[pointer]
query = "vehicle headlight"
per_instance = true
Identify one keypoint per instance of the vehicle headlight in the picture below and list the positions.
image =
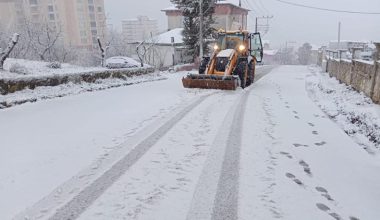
(216, 47)
(242, 47)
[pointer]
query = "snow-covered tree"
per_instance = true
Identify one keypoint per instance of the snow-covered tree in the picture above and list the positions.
(191, 13)
(4, 54)
(304, 54)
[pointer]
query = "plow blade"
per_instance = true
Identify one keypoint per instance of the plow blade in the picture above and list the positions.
(210, 82)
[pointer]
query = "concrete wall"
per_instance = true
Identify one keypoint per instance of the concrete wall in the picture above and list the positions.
(362, 76)
(376, 89)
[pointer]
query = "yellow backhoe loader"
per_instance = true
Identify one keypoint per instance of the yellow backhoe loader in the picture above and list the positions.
(232, 63)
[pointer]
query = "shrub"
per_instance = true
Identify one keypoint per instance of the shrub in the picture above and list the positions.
(18, 68)
(54, 65)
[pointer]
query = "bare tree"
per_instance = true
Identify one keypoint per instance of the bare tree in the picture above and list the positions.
(45, 41)
(38, 41)
(5, 54)
(146, 51)
(103, 51)
(118, 45)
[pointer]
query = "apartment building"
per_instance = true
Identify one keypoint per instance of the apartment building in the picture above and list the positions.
(139, 29)
(80, 21)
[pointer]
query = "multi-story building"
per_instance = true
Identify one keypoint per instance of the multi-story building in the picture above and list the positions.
(80, 21)
(228, 16)
(137, 30)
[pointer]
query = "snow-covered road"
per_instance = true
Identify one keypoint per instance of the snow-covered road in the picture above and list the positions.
(164, 152)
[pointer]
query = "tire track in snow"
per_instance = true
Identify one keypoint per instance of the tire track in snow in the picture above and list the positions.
(226, 201)
(76, 206)
(227, 196)
(216, 194)
(205, 194)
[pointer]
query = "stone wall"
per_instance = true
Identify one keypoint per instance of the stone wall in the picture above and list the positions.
(362, 76)
(376, 89)
(13, 85)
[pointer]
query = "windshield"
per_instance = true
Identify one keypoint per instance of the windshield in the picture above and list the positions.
(230, 41)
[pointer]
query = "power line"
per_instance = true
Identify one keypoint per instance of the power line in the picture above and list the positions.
(250, 6)
(257, 6)
(327, 9)
(263, 6)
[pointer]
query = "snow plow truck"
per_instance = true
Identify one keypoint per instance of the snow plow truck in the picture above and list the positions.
(232, 64)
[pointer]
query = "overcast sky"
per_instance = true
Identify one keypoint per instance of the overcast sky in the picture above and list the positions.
(289, 23)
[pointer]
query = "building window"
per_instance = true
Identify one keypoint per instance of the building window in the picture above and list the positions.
(91, 8)
(100, 9)
(50, 8)
(90, 1)
(93, 24)
(51, 17)
(33, 2)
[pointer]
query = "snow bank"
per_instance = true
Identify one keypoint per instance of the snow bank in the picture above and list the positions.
(39, 69)
(355, 113)
(37, 74)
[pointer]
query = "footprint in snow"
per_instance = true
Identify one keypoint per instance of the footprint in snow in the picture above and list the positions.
(324, 192)
(311, 124)
(306, 167)
(321, 143)
(300, 145)
(315, 132)
(286, 154)
(336, 216)
(321, 189)
(323, 207)
(291, 176)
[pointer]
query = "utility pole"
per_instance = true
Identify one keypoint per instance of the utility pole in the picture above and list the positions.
(201, 29)
(256, 25)
(267, 24)
(339, 27)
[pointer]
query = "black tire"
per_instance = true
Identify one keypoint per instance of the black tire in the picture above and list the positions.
(251, 74)
(240, 71)
(203, 65)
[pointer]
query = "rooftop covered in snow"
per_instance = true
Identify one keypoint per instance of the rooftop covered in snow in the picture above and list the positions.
(221, 2)
(166, 38)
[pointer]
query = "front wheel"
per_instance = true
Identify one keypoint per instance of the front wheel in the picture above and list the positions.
(203, 65)
(251, 73)
(240, 71)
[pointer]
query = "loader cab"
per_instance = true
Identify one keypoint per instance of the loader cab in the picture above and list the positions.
(256, 47)
(229, 41)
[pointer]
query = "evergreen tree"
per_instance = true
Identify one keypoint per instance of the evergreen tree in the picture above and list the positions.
(304, 54)
(191, 14)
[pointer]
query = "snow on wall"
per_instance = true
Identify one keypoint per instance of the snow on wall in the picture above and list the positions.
(44, 76)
